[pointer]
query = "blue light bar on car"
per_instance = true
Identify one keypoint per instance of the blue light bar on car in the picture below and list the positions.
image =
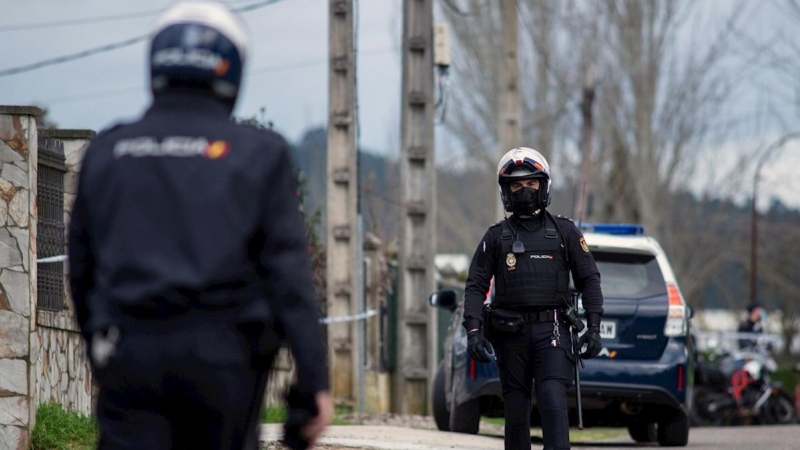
(620, 229)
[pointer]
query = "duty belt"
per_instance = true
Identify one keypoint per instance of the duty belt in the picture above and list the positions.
(545, 316)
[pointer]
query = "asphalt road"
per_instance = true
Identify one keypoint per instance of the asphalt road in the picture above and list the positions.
(396, 438)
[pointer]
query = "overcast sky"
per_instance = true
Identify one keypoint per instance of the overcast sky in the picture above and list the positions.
(286, 72)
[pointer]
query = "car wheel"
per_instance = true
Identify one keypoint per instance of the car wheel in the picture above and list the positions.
(673, 431)
(643, 432)
(439, 400)
(466, 417)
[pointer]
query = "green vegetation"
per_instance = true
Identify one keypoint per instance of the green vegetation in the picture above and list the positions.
(277, 414)
(788, 377)
(57, 429)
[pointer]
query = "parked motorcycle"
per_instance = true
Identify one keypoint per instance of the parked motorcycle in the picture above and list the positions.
(736, 388)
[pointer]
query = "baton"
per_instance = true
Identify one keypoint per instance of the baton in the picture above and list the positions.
(577, 382)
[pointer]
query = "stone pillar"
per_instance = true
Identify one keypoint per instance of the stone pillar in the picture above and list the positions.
(378, 388)
(58, 355)
(18, 178)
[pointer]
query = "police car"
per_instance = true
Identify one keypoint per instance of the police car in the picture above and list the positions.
(641, 378)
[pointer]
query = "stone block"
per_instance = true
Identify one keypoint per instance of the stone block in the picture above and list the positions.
(22, 236)
(10, 127)
(14, 335)
(7, 190)
(18, 208)
(14, 377)
(17, 288)
(15, 175)
(3, 213)
(8, 154)
(14, 410)
(13, 438)
(10, 254)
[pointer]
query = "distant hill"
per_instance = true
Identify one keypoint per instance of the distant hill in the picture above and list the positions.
(466, 209)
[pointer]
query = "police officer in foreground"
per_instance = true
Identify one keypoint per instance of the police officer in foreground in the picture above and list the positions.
(530, 255)
(188, 260)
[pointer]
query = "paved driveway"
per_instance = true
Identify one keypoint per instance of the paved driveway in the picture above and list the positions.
(396, 438)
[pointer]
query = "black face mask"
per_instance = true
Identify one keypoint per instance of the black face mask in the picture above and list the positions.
(525, 201)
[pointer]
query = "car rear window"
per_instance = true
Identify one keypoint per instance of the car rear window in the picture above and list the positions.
(629, 275)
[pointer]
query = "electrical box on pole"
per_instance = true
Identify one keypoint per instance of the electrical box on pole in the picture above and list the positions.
(441, 45)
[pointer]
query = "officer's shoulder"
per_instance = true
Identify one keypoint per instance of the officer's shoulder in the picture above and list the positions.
(563, 218)
(262, 137)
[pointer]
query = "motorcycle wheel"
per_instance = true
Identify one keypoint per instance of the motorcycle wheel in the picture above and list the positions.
(698, 415)
(779, 410)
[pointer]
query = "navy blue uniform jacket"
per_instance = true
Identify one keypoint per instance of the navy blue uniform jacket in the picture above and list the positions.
(187, 216)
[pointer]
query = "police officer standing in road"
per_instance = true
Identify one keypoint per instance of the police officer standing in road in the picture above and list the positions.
(530, 255)
(188, 260)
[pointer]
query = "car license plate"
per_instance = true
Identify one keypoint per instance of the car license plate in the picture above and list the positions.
(608, 330)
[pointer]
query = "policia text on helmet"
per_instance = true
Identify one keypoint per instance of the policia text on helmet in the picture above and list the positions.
(530, 255)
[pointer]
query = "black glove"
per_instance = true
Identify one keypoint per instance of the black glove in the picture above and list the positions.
(591, 338)
(478, 347)
(302, 408)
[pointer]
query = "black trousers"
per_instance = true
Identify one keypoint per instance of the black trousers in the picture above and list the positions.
(528, 360)
(195, 387)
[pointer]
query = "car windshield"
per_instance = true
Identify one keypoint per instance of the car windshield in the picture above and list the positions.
(629, 275)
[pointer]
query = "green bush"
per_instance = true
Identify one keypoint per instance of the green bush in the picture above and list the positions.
(57, 429)
(788, 377)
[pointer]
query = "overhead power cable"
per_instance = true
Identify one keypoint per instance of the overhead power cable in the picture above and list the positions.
(81, 21)
(85, 20)
(109, 47)
(115, 92)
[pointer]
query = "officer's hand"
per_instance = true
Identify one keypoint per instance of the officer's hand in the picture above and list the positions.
(314, 428)
(478, 347)
(591, 339)
(308, 415)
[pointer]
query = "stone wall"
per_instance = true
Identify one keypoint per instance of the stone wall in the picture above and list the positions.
(18, 177)
(58, 353)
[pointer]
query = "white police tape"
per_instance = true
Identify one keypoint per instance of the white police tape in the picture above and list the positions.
(362, 316)
(325, 320)
(52, 259)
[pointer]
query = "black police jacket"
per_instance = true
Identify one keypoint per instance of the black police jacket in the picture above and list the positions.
(186, 216)
(537, 276)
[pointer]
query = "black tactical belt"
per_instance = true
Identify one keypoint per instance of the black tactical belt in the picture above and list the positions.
(540, 316)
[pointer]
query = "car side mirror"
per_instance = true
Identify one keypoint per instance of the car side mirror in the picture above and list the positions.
(689, 312)
(446, 298)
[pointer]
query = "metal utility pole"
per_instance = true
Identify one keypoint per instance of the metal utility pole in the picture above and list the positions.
(581, 205)
(416, 319)
(508, 108)
(342, 271)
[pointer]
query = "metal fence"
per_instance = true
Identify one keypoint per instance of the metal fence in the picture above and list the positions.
(50, 239)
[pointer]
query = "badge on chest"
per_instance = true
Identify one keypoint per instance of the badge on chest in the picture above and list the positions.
(511, 261)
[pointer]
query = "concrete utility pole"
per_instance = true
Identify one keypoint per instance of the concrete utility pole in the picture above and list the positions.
(417, 325)
(581, 205)
(508, 108)
(342, 271)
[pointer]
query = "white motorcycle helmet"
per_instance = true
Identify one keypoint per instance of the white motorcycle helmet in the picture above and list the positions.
(523, 163)
(200, 46)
